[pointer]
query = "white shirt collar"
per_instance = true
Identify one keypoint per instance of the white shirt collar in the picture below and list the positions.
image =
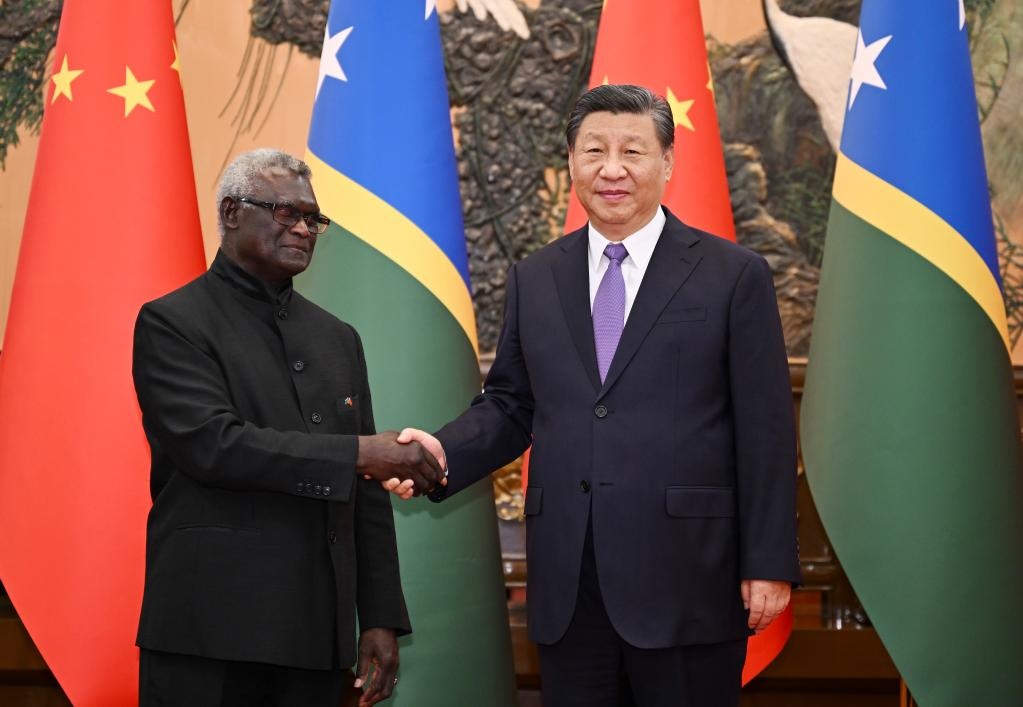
(639, 244)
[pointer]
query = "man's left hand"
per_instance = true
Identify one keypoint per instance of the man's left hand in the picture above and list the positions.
(765, 599)
(378, 647)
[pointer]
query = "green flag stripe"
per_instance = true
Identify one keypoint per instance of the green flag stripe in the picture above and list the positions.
(913, 457)
(423, 372)
(918, 228)
(365, 215)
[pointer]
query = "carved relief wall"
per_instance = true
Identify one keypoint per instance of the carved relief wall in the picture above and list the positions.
(514, 69)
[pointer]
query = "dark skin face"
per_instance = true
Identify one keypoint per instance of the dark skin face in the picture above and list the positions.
(252, 239)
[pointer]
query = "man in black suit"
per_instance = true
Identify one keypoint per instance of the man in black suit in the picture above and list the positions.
(266, 538)
(644, 362)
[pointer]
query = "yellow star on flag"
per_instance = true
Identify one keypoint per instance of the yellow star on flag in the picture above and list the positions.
(133, 92)
(710, 80)
(177, 64)
(605, 81)
(62, 80)
(680, 110)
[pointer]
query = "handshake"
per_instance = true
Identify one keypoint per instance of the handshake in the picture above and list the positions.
(408, 464)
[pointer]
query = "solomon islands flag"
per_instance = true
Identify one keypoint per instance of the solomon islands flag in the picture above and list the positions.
(393, 264)
(909, 424)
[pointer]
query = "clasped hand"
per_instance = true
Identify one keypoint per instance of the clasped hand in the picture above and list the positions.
(406, 488)
(399, 463)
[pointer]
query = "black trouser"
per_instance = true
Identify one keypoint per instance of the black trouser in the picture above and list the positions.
(173, 680)
(591, 666)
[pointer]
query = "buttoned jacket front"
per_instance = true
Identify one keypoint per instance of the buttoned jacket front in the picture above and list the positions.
(683, 458)
(263, 543)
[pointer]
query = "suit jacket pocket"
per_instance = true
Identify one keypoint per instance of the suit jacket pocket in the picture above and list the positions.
(687, 314)
(534, 500)
(700, 501)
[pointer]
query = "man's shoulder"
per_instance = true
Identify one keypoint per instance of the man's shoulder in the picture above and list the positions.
(551, 252)
(178, 311)
(318, 316)
(182, 299)
(730, 258)
(733, 254)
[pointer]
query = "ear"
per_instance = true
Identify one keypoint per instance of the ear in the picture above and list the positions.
(229, 213)
(571, 158)
(669, 163)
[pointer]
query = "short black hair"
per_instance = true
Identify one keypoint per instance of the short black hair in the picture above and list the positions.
(623, 98)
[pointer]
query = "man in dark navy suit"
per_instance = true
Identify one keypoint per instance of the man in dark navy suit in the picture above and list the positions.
(644, 361)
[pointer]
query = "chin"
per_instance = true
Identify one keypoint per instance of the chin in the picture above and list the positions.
(614, 218)
(294, 266)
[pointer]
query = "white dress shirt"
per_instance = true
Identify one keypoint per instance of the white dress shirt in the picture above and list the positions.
(640, 246)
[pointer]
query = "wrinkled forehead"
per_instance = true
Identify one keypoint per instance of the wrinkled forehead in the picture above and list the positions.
(604, 125)
(282, 185)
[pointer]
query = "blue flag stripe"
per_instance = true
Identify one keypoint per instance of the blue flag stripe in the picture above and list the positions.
(920, 133)
(388, 126)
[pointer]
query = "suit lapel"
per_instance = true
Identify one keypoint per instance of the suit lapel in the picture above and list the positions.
(572, 278)
(671, 264)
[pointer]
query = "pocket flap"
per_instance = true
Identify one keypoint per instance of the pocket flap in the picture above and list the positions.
(700, 501)
(534, 499)
(688, 314)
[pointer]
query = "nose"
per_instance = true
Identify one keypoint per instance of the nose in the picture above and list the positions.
(612, 168)
(301, 229)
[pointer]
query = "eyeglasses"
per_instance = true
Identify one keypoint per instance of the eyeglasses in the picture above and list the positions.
(289, 214)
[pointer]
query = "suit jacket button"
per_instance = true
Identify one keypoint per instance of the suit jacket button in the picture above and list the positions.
(316, 417)
(585, 486)
(298, 365)
(600, 411)
(282, 313)
(332, 537)
(317, 489)
(300, 488)
(326, 490)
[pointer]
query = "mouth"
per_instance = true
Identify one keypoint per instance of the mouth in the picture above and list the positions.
(612, 194)
(300, 249)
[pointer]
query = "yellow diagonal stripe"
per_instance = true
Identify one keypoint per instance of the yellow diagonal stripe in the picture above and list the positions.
(921, 230)
(362, 213)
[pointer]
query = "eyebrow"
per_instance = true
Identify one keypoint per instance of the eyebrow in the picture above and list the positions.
(593, 134)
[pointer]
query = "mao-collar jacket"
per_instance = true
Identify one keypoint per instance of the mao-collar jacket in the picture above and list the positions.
(263, 543)
(683, 459)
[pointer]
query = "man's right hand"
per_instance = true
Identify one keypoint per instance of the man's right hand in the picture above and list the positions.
(405, 489)
(382, 457)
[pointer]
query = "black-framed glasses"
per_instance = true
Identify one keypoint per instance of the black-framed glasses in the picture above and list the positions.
(288, 214)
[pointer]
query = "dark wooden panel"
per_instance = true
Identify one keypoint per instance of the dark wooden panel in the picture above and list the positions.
(25, 681)
(810, 692)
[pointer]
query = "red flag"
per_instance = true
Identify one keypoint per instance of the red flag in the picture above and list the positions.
(111, 223)
(660, 44)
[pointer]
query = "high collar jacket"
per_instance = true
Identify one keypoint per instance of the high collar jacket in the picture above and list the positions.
(263, 544)
(683, 458)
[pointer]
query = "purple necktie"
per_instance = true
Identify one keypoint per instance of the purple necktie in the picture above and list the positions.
(609, 308)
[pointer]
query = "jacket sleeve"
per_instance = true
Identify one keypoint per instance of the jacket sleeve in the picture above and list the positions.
(380, 600)
(188, 415)
(765, 438)
(497, 427)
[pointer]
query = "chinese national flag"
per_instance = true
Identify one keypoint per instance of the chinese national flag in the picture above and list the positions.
(660, 44)
(111, 223)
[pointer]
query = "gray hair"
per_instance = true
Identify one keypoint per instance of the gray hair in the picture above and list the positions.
(623, 98)
(239, 179)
